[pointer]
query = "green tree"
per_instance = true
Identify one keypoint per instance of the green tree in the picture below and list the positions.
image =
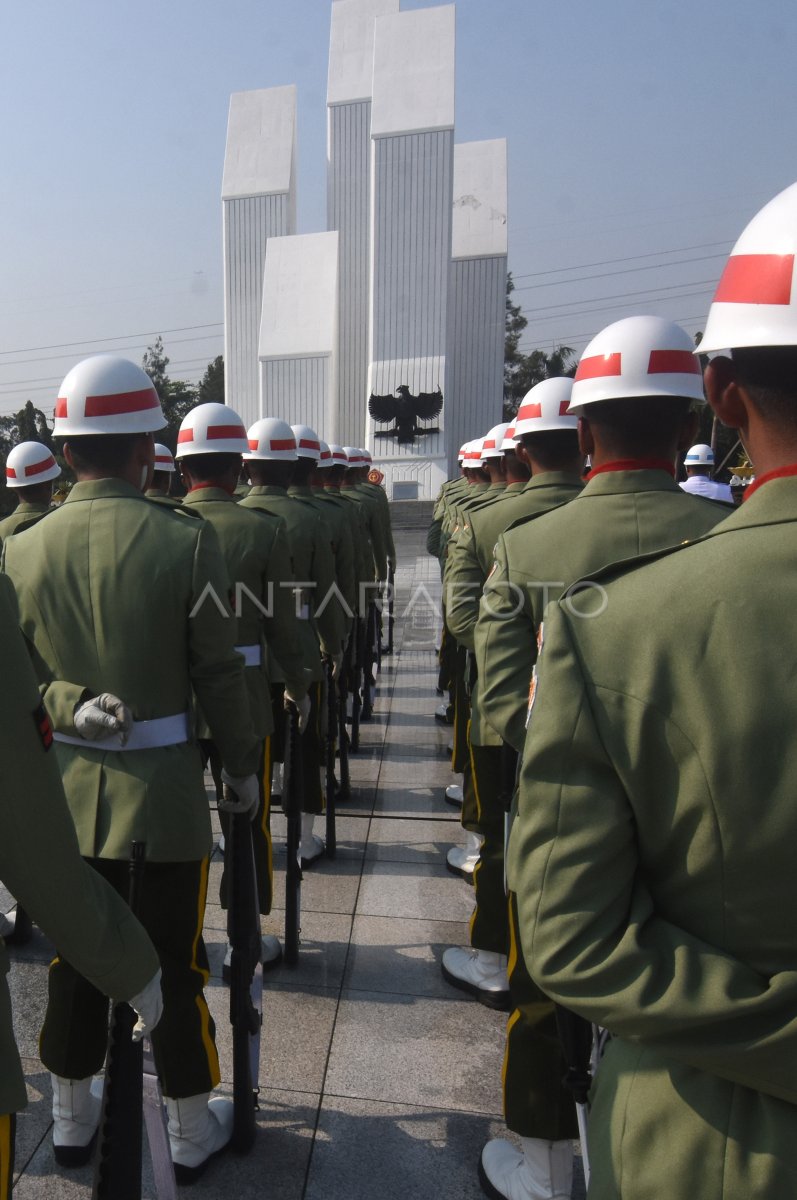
(523, 371)
(176, 396)
(211, 385)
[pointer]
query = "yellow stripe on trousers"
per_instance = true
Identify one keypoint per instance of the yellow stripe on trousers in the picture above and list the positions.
(516, 1015)
(201, 1003)
(6, 1154)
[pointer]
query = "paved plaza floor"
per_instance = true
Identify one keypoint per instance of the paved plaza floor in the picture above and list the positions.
(379, 1080)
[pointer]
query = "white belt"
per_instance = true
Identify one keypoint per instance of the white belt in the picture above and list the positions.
(145, 735)
(304, 612)
(252, 655)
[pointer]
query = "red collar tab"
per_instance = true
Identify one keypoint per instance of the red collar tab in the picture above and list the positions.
(778, 473)
(634, 464)
(199, 487)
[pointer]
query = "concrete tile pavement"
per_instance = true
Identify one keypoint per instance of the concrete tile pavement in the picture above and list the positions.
(378, 1079)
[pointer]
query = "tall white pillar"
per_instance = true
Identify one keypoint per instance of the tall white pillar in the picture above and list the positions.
(412, 130)
(477, 293)
(259, 202)
(299, 331)
(351, 69)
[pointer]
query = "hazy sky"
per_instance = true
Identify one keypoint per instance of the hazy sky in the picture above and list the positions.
(642, 137)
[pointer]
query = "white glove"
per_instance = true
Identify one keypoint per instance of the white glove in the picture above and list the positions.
(337, 663)
(148, 1004)
(102, 717)
(247, 794)
(302, 706)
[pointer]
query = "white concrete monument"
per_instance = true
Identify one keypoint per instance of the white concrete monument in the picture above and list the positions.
(412, 130)
(299, 332)
(259, 202)
(477, 293)
(351, 70)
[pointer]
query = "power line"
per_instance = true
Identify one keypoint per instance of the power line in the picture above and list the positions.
(117, 338)
(711, 283)
(626, 271)
(18, 362)
(610, 262)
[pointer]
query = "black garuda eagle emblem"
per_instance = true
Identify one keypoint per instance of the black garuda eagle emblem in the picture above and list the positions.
(406, 410)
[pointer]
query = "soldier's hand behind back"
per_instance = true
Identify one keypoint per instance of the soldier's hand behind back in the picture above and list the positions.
(103, 716)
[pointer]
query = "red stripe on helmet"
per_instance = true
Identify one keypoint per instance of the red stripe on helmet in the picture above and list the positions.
(756, 279)
(529, 411)
(599, 366)
(121, 403)
(673, 362)
(217, 433)
(564, 408)
(10, 473)
(37, 468)
(185, 435)
(278, 444)
(489, 444)
(307, 444)
(163, 458)
(60, 406)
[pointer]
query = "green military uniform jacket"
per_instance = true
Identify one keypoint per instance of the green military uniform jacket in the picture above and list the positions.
(618, 515)
(369, 507)
(40, 861)
(470, 558)
(342, 543)
(162, 498)
(313, 570)
(117, 594)
(434, 536)
(383, 507)
(653, 857)
(255, 550)
(23, 516)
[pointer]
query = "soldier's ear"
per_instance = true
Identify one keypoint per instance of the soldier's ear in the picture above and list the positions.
(586, 442)
(724, 393)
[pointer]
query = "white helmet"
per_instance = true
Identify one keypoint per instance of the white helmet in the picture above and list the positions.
(544, 408)
(211, 429)
(164, 459)
(325, 458)
(307, 442)
(699, 456)
(509, 439)
(636, 358)
(355, 457)
(271, 440)
(30, 463)
(473, 454)
(756, 299)
(367, 457)
(107, 394)
(492, 443)
(462, 452)
(339, 456)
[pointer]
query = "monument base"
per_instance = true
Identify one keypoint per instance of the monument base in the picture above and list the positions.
(412, 478)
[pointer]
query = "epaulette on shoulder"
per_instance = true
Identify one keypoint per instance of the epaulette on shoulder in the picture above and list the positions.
(187, 510)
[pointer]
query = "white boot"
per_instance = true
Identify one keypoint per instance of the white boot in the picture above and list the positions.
(311, 847)
(461, 860)
(276, 779)
(270, 955)
(199, 1128)
(454, 795)
(541, 1171)
(482, 973)
(76, 1117)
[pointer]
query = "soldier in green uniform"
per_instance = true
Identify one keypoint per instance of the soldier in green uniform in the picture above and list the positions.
(653, 853)
(553, 450)
(551, 446)
(210, 444)
(40, 861)
(343, 543)
(30, 471)
(161, 482)
(270, 464)
(125, 606)
(635, 390)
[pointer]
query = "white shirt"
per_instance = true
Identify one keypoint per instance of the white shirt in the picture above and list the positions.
(699, 485)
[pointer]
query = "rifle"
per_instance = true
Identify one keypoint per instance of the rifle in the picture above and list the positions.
(332, 725)
(354, 683)
(246, 979)
(117, 1167)
(344, 790)
(391, 600)
(576, 1036)
(292, 789)
(368, 661)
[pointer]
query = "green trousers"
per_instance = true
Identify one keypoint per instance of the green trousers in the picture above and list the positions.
(489, 925)
(459, 756)
(536, 1104)
(172, 910)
